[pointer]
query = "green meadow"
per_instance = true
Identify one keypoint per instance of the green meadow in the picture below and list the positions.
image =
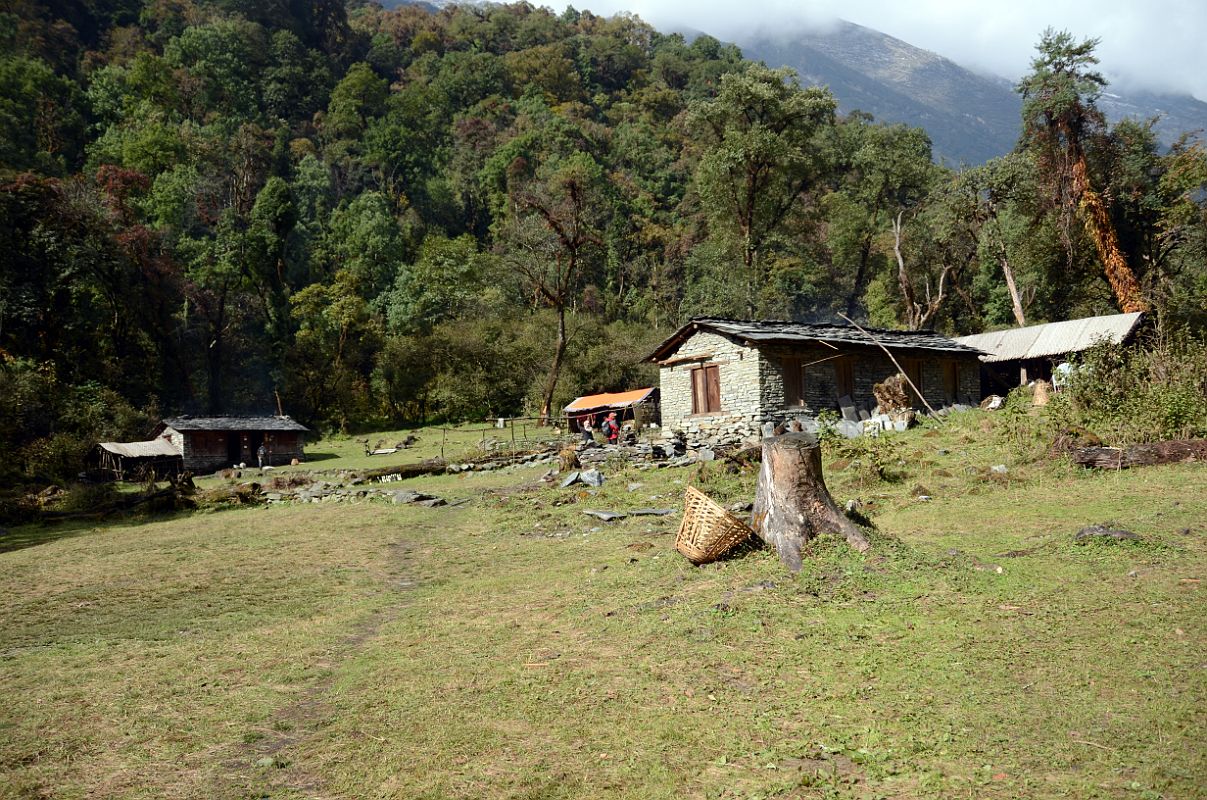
(512, 647)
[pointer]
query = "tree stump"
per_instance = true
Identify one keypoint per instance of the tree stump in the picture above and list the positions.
(792, 504)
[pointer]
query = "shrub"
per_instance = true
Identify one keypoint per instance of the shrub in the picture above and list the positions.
(1153, 390)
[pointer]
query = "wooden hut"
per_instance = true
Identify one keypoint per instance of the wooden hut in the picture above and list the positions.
(212, 443)
(132, 461)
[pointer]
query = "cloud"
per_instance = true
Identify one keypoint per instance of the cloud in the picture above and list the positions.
(1156, 45)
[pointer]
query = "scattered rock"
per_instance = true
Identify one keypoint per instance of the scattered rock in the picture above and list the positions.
(432, 502)
(849, 429)
(993, 402)
(704, 454)
(606, 516)
(651, 512)
(570, 479)
(1000, 469)
(632, 487)
(742, 506)
(1104, 532)
(591, 477)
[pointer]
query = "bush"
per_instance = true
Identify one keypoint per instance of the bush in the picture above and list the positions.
(1153, 390)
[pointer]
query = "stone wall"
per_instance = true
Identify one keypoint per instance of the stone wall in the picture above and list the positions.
(970, 382)
(753, 387)
(739, 371)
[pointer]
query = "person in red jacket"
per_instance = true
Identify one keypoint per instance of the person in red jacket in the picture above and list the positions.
(611, 428)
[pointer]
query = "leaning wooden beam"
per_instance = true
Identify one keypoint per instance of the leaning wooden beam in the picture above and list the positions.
(890, 355)
(791, 502)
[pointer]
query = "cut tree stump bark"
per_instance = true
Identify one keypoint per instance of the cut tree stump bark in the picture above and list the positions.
(792, 504)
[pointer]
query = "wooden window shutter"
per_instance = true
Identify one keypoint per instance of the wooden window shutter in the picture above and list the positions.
(699, 394)
(706, 390)
(713, 380)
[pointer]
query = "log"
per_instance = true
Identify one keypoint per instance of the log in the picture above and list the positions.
(792, 504)
(1142, 455)
(432, 466)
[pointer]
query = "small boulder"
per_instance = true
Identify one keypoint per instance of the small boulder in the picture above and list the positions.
(591, 477)
(1104, 533)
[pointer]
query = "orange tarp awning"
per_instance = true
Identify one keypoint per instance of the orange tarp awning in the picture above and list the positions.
(612, 400)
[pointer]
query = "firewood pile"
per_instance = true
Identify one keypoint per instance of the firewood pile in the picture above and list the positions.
(892, 395)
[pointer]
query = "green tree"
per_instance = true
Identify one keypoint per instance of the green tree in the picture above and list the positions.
(1060, 120)
(553, 236)
(760, 155)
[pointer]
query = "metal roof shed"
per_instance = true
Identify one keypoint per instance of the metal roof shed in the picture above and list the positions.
(587, 406)
(1029, 352)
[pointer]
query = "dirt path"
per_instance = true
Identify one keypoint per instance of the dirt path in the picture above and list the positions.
(267, 763)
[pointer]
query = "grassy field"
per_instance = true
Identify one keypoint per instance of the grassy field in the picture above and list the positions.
(512, 647)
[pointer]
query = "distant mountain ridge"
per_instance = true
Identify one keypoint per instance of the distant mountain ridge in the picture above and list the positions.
(970, 117)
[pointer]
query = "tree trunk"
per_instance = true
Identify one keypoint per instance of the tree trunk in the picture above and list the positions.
(861, 270)
(555, 368)
(1098, 222)
(792, 504)
(1016, 300)
(1142, 455)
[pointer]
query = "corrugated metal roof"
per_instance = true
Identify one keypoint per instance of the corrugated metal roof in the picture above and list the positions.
(234, 424)
(766, 331)
(156, 448)
(1053, 338)
(610, 400)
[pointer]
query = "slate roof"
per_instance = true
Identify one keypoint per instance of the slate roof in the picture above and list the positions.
(756, 332)
(234, 424)
(1053, 338)
(156, 448)
(610, 400)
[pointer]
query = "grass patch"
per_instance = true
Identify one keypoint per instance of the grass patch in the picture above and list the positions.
(514, 647)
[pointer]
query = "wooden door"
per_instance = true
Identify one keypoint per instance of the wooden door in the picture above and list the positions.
(794, 383)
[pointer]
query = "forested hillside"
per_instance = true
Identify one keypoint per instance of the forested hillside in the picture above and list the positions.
(373, 216)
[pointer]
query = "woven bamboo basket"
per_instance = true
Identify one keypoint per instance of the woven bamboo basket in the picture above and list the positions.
(708, 531)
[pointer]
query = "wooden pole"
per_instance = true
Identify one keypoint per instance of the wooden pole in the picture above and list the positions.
(890, 356)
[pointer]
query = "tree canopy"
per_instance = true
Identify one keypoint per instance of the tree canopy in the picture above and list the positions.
(389, 216)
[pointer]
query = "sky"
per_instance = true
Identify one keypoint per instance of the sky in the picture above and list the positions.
(1155, 45)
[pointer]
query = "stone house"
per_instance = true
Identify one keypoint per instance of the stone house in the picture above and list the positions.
(212, 443)
(723, 379)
